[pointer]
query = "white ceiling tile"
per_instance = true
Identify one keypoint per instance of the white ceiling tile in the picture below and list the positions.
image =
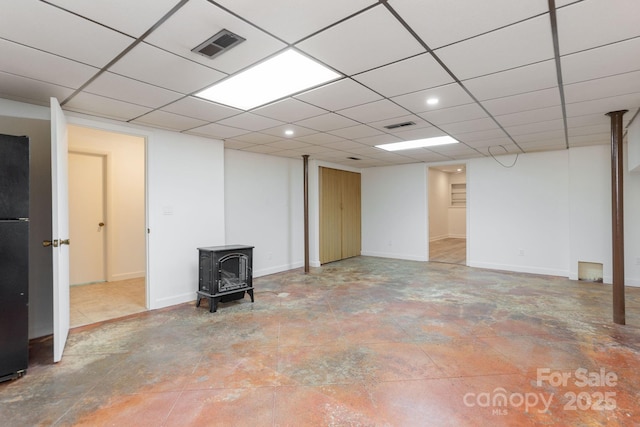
(264, 149)
(251, 122)
(601, 62)
(410, 75)
(257, 138)
(484, 144)
(165, 120)
(106, 107)
(500, 150)
(289, 110)
(523, 102)
(588, 24)
(214, 130)
(48, 28)
(292, 22)
(374, 111)
(298, 131)
(288, 144)
(201, 109)
(442, 22)
(454, 114)
(519, 80)
(525, 43)
(429, 132)
(132, 91)
(449, 96)
(379, 139)
(604, 105)
(43, 66)
(327, 122)
(605, 87)
(320, 138)
(336, 46)
(425, 155)
(555, 136)
(165, 69)
(590, 120)
(469, 126)
(236, 145)
(354, 132)
(29, 90)
(339, 95)
(530, 116)
(343, 145)
(548, 125)
(199, 20)
(139, 17)
(598, 129)
(471, 138)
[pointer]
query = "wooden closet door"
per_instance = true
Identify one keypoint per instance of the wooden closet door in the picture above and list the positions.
(351, 235)
(330, 215)
(340, 235)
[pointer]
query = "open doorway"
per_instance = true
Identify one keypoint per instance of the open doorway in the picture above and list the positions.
(107, 266)
(447, 214)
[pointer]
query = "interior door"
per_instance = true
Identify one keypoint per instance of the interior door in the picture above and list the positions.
(59, 228)
(86, 218)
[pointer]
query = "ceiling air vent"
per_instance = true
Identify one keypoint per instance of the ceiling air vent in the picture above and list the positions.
(400, 125)
(221, 42)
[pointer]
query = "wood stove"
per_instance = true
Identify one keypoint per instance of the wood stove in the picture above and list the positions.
(225, 274)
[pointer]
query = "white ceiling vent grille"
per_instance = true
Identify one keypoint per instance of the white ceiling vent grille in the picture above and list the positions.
(218, 44)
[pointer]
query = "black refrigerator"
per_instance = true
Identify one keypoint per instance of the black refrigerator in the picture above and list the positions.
(14, 256)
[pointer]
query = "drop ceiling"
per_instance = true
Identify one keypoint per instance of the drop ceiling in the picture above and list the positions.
(511, 76)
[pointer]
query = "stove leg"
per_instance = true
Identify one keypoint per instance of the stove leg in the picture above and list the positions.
(213, 305)
(250, 292)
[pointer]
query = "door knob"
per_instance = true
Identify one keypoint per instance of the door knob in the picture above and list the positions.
(65, 242)
(47, 243)
(101, 224)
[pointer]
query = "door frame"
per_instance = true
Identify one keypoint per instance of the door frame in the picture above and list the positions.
(106, 155)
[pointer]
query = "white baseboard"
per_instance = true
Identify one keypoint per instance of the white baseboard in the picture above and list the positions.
(277, 269)
(173, 300)
(395, 256)
(126, 276)
(519, 269)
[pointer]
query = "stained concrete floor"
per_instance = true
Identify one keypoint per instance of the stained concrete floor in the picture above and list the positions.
(360, 342)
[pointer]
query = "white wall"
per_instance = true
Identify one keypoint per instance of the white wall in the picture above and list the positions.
(125, 176)
(185, 187)
(264, 207)
(394, 212)
(438, 204)
(631, 227)
(590, 204)
(519, 216)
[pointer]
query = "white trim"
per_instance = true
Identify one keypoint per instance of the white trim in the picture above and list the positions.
(395, 256)
(519, 269)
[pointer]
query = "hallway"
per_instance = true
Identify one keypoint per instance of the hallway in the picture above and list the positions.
(363, 341)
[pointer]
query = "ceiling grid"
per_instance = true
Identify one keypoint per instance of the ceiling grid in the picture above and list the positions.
(510, 76)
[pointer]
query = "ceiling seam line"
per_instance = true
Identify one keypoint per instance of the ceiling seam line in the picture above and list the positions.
(125, 51)
(455, 78)
(556, 52)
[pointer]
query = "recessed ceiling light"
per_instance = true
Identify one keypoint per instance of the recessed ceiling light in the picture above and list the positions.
(418, 143)
(432, 101)
(288, 132)
(286, 73)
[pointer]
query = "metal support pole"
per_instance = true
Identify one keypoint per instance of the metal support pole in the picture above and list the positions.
(305, 161)
(617, 215)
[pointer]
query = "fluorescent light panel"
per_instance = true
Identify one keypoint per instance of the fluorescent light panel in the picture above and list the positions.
(418, 143)
(286, 73)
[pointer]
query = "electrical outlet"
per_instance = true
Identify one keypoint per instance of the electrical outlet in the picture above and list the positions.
(521, 252)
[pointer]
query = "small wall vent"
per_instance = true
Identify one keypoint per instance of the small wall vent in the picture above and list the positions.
(400, 125)
(218, 44)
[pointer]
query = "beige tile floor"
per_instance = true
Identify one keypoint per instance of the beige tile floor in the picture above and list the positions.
(104, 301)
